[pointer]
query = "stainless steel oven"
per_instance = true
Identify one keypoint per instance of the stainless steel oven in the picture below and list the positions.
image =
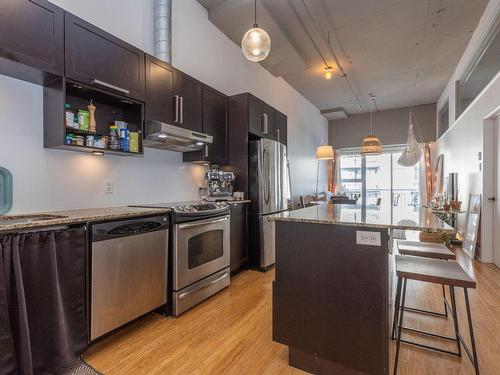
(201, 253)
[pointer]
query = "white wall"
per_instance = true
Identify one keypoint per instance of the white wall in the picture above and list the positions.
(463, 141)
(50, 179)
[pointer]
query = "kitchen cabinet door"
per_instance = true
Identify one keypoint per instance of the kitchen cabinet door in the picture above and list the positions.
(98, 58)
(254, 115)
(268, 122)
(31, 33)
(215, 124)
(190, 106)
(159, 90)
(281, 128)
(239, 236)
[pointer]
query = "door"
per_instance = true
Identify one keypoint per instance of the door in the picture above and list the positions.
(32, 33)
(159, 90)
(97, 58)
(496, 190)
(239, 236)
(268, 122)
(281, 128)
(254, 115)
(269, 177)
(189, 91)
(215, 124)
(201, 248)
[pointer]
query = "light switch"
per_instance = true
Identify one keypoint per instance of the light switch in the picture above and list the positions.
(108, 186)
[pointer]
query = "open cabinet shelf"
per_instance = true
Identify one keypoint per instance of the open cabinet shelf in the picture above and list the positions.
(110, 107)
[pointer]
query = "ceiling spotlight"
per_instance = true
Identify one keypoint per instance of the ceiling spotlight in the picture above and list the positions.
(328, 72)
(199, 143)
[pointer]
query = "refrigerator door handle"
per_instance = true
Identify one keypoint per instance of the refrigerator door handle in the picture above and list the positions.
(266, 175)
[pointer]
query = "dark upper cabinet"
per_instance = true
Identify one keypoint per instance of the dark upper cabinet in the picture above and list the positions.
(268, 122)
(281, 128)
(254, 115)
(98, 58)
(215, 123)
(31, 33)
(160, 104)
(239, 236)
(188, 99)
(261, 118)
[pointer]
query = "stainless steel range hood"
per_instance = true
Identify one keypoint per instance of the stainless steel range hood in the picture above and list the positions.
(174, 138)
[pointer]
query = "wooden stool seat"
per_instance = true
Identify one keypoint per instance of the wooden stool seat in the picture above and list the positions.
(436, 271)
(425, 250)
(433, 271)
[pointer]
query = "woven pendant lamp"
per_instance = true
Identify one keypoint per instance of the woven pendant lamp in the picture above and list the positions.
(371, 145)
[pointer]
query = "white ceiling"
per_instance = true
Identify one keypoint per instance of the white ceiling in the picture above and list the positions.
(402, 51)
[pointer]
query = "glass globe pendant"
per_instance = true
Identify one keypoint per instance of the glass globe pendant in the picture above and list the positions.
(256, 43)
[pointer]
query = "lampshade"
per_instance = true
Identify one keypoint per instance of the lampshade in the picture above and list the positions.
(371, 146)
(256, 44)
(324, 152)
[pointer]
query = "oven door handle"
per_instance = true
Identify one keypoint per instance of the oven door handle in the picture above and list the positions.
(184, 295)
(204, 222)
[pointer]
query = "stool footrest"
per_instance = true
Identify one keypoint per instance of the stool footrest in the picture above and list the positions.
(428, 333)
(456, 354)
(428, 312)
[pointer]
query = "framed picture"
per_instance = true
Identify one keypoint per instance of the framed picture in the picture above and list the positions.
(472, 224)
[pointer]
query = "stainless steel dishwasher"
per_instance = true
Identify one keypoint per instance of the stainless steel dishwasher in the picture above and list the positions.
(129, 264)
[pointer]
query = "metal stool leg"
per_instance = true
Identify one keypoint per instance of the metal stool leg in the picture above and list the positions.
(471, 331)
(400, 327)
(455, 319)
(396, 309)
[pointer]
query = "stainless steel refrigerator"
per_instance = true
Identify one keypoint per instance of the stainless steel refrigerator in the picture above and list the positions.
(269, 192)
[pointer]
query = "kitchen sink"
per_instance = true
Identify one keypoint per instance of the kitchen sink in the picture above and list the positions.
(26, 219)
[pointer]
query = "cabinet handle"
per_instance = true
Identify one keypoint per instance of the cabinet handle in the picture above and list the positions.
(176, 108)
(278, 134)
(181, 110)
(109, 86)
(265, 123)
(206, 151)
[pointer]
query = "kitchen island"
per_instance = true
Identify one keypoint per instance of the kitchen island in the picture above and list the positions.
(331, 292)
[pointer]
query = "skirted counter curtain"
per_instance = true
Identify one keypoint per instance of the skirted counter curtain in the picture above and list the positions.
(43, 328)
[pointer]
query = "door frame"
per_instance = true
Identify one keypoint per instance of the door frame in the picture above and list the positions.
(487, 209)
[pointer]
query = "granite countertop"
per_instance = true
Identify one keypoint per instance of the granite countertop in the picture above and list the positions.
(79, 216)
(409, 218)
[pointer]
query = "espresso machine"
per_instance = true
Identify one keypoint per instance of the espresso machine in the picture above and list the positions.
(219, 185)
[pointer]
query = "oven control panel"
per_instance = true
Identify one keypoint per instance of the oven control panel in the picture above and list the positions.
(201, 208)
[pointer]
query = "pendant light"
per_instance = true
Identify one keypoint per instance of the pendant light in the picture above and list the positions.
(371, 145)
(256, 43)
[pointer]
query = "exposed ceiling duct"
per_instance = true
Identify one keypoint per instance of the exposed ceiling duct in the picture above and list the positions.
(163, 30)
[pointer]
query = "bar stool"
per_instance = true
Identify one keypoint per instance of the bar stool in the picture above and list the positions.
(435, 271)
(424, 250)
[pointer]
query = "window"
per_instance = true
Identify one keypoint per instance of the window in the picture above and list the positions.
(481, 72)
(380, 179)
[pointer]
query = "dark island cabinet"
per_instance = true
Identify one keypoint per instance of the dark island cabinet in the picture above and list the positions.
(281, 128)
(32, 34)
(100, 59)
(215, 123)
(160, 103)
(239, 236)
(188, 99)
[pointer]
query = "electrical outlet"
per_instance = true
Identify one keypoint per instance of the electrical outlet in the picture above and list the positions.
(368, 238)
(108, 186)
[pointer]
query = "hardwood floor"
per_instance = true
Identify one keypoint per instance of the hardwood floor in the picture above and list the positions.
(231, 333)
